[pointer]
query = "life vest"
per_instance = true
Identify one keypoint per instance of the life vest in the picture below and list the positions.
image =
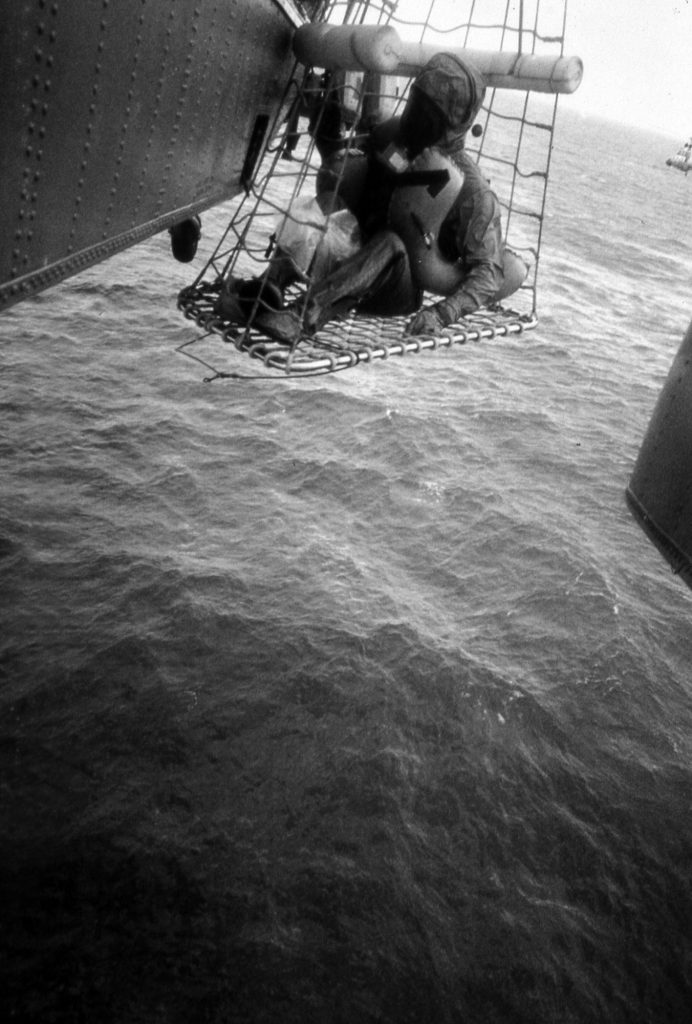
(418, 206)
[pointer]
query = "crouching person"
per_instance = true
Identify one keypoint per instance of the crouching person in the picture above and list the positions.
(427, 220)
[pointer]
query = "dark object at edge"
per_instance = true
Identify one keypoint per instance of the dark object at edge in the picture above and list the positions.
(659, 494)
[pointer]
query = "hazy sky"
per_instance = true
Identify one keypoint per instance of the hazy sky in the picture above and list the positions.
(637, 54)
(637, 61)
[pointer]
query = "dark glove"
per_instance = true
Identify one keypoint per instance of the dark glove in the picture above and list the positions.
(426, 321)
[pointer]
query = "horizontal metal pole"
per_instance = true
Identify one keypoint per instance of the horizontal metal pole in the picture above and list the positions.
(379, 48)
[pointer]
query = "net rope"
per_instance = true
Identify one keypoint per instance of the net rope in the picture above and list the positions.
(513, 151)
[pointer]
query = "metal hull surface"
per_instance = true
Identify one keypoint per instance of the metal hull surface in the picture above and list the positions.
(121, 118)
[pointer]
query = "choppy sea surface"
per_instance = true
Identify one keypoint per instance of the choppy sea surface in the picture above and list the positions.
(359, 698)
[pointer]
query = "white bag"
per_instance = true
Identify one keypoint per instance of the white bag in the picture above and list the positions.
(317, 243)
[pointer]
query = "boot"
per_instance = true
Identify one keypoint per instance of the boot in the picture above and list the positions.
(239, 298)
(184, 238)
(376, 279)
(282, 325)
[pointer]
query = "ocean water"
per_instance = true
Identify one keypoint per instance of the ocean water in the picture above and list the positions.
(359, 698)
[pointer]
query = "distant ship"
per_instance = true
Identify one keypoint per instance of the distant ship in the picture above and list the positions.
(683, 158)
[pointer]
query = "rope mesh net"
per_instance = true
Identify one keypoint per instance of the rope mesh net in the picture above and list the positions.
(513, 151)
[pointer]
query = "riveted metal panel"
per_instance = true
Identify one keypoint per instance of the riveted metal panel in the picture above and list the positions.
(121, 116)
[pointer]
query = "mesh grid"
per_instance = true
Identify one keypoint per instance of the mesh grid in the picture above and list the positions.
(513, 151)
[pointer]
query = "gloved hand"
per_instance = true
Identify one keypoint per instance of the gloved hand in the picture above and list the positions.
(426, 321)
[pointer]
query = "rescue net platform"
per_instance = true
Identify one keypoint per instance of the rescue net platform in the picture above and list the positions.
(348, 342)
(513, 148)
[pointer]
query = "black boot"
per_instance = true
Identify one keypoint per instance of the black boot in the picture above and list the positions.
(282, 325)
(184, 238)
(239, 298)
